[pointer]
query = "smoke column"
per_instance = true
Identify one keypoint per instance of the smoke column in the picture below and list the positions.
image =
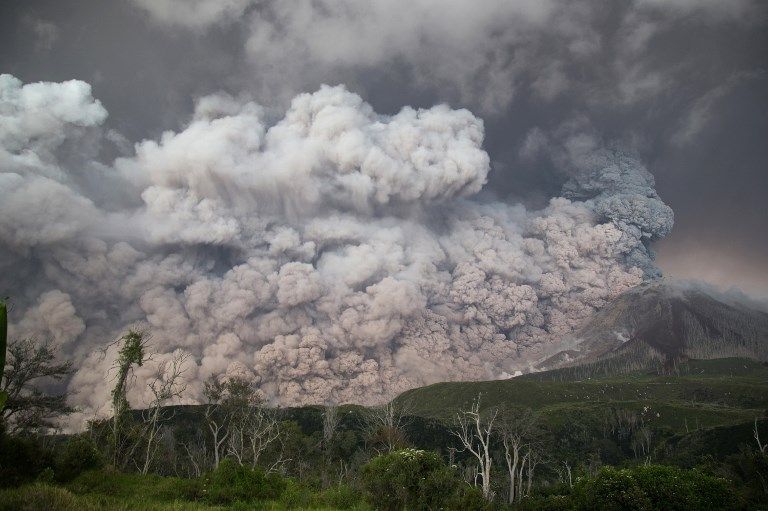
(335, 255)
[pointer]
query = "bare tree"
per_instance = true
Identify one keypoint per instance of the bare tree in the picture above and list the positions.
(197, 455)
(521, 476)
(760, 445)
(330, 423)
(533, 457)
(475, 431)
(641, 441)
(263, 430)
(214, 418)
(386, 425)
(239, 425)
(167, 384)
(238, 404)
(28, 408)
(514, 427)
(568, 473)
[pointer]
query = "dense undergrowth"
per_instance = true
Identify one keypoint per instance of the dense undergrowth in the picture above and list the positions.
(391, 483)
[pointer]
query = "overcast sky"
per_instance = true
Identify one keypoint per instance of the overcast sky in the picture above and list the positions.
(683, 83)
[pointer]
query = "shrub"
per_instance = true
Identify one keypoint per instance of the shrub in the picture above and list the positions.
(546, 503)
(40, 496)
(22, 459)
(231, 482)
(340, 497)
(46, 476)
(677, 489)
(295, 495)
(468, 498)
(653, 487)
(409, 479)
(610, 490)
(76, 456)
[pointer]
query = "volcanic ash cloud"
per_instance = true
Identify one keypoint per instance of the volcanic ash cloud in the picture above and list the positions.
(334, 255)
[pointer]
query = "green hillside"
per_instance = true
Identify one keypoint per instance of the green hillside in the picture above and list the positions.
(703, 393)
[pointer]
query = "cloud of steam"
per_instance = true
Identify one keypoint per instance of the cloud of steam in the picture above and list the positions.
(334, 255)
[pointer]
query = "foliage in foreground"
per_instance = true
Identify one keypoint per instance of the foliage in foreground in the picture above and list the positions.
(653, 487)
(230, 486)
(415, 479)
(643, 488)
(51, 498)
(410, 479)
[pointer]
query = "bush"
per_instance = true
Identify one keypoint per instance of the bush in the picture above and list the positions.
(468, 498)
(610, 490)
(40, 496)
(295, 495)
(653, 487)
(410, 479)
(22, 459)
(231, 482)
(76, 456)
(677, 489)
(340, 497)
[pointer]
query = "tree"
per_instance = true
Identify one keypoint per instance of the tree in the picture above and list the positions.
(197, 454)
(330, 423)
(240, 399)
(514, 427)
(475, 430)
(531, 459)
(386, 425)
(28, 408)
(756, 434)
(3, 346)
(166, 385)
(234, 415)
(131, 353)
(216, 421)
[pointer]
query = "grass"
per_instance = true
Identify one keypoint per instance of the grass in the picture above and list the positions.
(108, 490)
(40, 496)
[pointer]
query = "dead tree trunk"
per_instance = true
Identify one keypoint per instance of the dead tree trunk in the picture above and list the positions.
(475, 431)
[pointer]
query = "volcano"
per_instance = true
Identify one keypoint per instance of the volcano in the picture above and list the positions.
(657, 326)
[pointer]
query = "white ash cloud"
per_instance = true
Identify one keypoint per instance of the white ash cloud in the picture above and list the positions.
(334, 255)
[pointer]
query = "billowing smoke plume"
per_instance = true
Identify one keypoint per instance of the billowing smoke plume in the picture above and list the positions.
(333, 255)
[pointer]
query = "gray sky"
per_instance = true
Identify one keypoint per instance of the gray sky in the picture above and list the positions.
(683, 84)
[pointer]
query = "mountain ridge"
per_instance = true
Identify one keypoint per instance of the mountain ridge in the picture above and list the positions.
(657, 325)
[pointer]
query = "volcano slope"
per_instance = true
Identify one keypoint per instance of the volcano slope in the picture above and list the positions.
(679, 358)
(657, 326)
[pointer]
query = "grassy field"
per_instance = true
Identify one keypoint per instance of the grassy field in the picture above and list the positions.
(41, 496)
(704, 393)
(106, 490)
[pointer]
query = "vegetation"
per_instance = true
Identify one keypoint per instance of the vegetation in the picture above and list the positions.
(28, 408)
(415, 479)
(705, 393)
(3, 346)
(694, 439)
